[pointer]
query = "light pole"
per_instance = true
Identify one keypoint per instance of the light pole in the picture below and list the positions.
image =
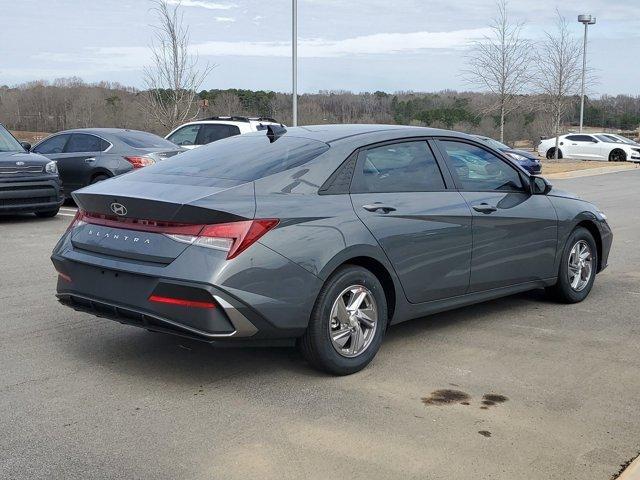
(294, 60)
(586, 20)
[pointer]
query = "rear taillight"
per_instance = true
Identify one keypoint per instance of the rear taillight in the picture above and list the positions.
(233, 238)
(139, 162)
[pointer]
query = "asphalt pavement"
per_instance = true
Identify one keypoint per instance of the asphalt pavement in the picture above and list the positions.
(517, 388)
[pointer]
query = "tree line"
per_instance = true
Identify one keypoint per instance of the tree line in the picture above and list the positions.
(71, 103)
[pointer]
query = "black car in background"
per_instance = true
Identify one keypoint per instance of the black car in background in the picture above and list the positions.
(527, 160)
(29, 183)
(89, 155)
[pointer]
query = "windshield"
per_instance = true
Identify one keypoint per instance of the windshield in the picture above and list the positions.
(144, 140)
(8, 143)
(494, 143)
(618, 139)
(243, 157)
(608, 139)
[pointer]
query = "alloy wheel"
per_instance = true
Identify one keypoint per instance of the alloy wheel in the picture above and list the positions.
(354, 319)
(580, 266)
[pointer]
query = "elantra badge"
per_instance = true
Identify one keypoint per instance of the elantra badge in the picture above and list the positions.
(118, 209)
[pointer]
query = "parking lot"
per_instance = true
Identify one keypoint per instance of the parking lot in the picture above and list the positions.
(88, 398)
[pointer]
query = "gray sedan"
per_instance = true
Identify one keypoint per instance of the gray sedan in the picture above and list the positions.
(90, 155)
(323, 235)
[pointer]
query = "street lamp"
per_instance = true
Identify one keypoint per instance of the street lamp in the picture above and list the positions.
(586, 20)
(294, 60)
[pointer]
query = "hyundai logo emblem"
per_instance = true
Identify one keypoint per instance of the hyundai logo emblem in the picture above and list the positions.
(19, 164)
(118, 209)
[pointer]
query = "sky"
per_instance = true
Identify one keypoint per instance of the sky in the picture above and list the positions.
(357, 45)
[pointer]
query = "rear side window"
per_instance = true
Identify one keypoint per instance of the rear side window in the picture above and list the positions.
(185, 136)
(580, 138)
(52, 145)
(243, 157)
(478, 170)
(137, 139)
(211, 132)
(399, 167)
(82, 142)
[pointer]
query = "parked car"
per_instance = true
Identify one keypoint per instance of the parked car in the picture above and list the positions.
(29, 183)
(325, 235)
(589, 147)
(201, 132)
(90, 155)
(527, 160)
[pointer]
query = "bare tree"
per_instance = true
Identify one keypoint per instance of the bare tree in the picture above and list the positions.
(559, 73)
(498, 63)
(174, 77)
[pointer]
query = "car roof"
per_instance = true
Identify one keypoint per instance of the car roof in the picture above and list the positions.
(334, 133)
(103, 131)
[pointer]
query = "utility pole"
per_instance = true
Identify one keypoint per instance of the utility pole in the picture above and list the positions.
(586, 20)
(294, 58)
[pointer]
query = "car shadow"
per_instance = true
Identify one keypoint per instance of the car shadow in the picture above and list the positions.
(134, 352)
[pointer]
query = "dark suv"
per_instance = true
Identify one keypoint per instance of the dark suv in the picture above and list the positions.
(28, 182)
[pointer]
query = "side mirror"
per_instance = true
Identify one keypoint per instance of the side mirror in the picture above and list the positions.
(539, 185)
(26, 146)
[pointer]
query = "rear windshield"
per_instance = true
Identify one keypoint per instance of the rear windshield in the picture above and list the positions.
(244, 157)
(144, 140)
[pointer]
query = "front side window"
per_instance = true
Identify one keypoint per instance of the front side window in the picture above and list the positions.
(211, 132)
(478, 170)
(399, 167)
(53, 145)
(185, 136)
(82, 142)
(8, 143)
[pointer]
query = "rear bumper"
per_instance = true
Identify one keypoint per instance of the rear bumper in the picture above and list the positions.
(37, 195)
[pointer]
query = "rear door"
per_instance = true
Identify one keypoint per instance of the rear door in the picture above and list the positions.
(514, 233)
(78, 161)
(400, 194)
(210, 132)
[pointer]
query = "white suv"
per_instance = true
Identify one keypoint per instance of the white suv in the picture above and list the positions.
(200, 132)
(597, 146)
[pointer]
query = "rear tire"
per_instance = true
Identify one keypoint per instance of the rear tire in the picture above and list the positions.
(568, 289)
(344, 341)
(99, 178)
(48, 213)
(551, 153)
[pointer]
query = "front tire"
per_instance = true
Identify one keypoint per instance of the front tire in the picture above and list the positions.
(48, 213)
(578, 267)
(617, 155)
(347, 323)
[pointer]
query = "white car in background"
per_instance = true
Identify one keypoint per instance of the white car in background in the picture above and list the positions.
(200, 132)
(597, 146)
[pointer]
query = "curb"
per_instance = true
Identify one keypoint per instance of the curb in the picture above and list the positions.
(589, 172)
(632, 472)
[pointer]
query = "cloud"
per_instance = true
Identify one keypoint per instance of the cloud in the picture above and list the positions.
(202, 4)
(224, 19)
(376, 44)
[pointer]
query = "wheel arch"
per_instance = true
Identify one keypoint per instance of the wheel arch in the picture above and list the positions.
(380, 267)
(595, 232)
(100, 172)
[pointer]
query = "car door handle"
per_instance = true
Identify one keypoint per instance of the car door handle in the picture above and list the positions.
(374, 207)
(484, 208)
(89, 160)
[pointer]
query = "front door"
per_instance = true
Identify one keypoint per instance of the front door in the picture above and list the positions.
(399, 193)
(514, 233)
